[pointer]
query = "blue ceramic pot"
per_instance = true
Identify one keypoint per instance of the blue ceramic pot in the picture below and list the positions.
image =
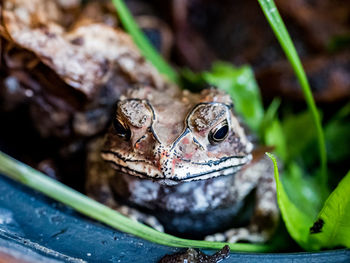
(37, 229)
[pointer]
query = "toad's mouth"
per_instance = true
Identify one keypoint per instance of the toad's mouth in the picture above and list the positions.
(194, 170)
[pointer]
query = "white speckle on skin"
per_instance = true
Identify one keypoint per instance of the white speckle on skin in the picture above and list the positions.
(144, 190)
(201, 202)
(175, 204)
(184, 188)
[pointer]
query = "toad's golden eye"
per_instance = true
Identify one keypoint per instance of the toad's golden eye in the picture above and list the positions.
(121, 129)
(219, 133)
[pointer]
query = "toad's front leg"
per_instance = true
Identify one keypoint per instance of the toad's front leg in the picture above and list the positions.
(266, 213)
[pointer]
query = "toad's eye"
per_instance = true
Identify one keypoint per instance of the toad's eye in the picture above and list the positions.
(121, 129)
(219, 133)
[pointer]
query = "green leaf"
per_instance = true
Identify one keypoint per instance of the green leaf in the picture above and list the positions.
(62, 193)
(332, 228)
(270, 10)
(298, 133)
(343, 113)
(146, 48)
(240, 83)
(274, 136)
(303, 190)
(297, 222)
(337, 135)
(270, 116)
(293, 137)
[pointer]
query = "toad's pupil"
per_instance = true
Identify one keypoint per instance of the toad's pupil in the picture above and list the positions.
(221, 133)
(121, 130)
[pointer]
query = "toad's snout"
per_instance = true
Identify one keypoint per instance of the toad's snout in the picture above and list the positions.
(186, 159)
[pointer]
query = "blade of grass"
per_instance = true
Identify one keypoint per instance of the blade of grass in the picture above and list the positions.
(270, 10)
(83, 204)
(146, 48)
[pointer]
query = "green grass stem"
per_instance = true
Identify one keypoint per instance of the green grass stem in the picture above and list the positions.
(270, 10)
(146, 48)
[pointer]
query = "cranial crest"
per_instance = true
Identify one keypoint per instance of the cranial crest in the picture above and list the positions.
(135, 111)
(207, 115)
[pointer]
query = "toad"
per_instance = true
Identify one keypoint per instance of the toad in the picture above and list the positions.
(181, 162)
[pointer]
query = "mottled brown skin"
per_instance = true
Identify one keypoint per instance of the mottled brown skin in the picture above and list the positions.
(166, 160)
